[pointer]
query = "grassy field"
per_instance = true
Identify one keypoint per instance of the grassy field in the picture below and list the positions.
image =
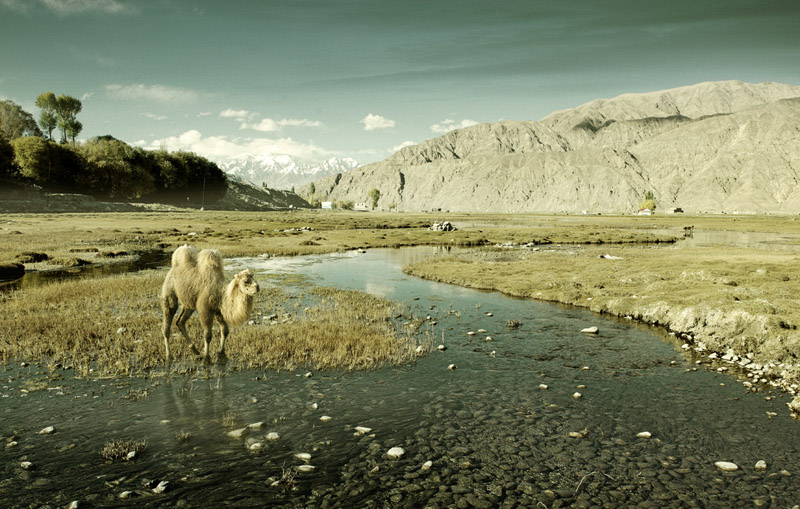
(738, 299)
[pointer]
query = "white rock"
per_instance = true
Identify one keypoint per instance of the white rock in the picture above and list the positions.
(272, 435)
(130, 456)
(126, 494)
(237, 433)
(27, 465)
(256, 425)
(256, 446)
(543, 387)
(420, 349)
(489, 314)
(470, 333)
(309, 374)
(314, 406)
(452, 367)
(590, 330)
(644, 434)
(47, 431)
(162, 487)
(74, 505)
(325, 418)
(395, 453)
(305, 468)
(481, 331)
(427, 465)
(441, 348)
(362, 430)
(304, 456)
(727, 466)
(122, 330)
(761, 465)
(577, 395)
(11, 444)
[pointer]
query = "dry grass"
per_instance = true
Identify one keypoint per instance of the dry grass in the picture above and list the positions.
(111, 327)
(118, 450)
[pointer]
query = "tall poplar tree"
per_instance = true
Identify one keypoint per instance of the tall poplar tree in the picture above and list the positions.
(48, 120)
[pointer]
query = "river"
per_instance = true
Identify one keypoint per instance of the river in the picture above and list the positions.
(537, 415)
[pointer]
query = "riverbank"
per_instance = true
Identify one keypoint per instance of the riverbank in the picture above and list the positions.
(737, 308)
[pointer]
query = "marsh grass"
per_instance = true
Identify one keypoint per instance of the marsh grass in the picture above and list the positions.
(111, 327)
(119, 449)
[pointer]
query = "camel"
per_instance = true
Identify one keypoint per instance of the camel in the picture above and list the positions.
(196, 283)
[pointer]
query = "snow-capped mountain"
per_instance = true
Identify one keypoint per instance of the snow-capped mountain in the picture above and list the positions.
(283, 172)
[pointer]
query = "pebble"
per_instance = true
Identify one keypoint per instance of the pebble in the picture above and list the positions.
(127, 494)
(309, 374)
(426, 466)
(452, 367)
(761, 465)
(420, 349)
(441, 348)
(256, 425)
(272, 435)
(27, 465)
(362, 430)
(47, 431)
(470, 333)
(489, 339)
(577, 395)
(304, 456)
(162, 487)
(727, 466)
(237, 433)
(590, 330)
(122, 330)
(395, 453)
(74, 505)
(543, 387)
(325, 418)
(305, 468)
(644, 434)
(130, 456)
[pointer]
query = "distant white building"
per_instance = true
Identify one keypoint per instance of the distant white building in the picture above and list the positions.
(360, 206)
(645, 212)
(327, 205)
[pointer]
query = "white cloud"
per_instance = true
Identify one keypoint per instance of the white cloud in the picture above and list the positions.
(221, 148)
(156, 93)
(69, 6)
(87, 95)
(372, 122)
(239, 115)
(268, 125)
(204, 114)
(154, 116)
(448, 124)
(402, 146)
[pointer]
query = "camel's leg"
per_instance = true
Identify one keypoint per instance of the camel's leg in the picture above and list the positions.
(207, 320)
(169, 314)
(183, 317)
(224, 331)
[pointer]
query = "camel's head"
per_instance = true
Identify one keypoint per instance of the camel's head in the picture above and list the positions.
(246, 282)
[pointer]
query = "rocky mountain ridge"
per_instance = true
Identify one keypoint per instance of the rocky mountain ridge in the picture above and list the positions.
(712, 147)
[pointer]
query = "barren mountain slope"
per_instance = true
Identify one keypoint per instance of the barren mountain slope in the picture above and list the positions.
(727, 147)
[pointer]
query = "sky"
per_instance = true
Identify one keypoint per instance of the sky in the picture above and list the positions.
(315, 79)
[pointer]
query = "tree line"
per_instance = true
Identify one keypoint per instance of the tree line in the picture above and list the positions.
(104, 167)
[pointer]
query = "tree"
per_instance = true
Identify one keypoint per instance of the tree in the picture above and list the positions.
(67, 109)
(312, 189)
(649, 202)
(16, 122)
(374, 195)
(46, 163)
(7, 168)
(48, 119)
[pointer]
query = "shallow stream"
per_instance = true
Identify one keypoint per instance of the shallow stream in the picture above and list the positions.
(539, 416)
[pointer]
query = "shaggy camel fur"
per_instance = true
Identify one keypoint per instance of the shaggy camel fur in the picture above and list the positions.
(196, 282)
